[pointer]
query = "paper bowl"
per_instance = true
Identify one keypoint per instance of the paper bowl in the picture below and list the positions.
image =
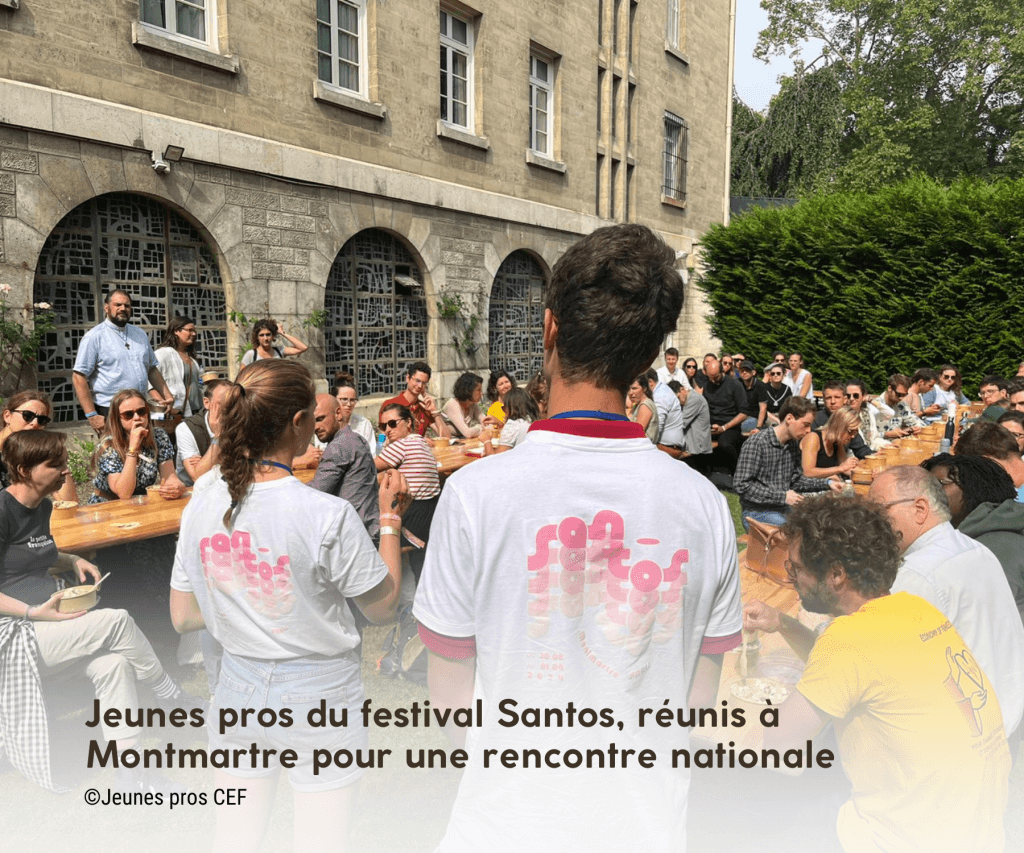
(78, 598)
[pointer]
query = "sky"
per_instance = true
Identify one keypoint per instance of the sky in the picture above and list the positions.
(755, 81)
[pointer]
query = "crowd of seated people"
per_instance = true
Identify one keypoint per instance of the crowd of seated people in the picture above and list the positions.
(766, 437)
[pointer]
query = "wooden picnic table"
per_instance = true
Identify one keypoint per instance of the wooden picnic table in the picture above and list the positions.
(452, 457)
(94, 526)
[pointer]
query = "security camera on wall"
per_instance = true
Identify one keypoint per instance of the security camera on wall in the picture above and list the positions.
(160, 165)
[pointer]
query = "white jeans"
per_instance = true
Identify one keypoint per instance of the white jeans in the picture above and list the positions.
(114, 651)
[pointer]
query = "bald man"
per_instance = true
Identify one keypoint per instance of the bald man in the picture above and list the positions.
(959, 576)
(346, 468)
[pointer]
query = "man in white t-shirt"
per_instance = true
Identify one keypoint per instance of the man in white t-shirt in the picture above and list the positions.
(960, 577)
(671, 370)
(577, 596)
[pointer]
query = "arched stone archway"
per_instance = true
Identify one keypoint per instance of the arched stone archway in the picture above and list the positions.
(516, 316)
(376, 312)
(143, 247)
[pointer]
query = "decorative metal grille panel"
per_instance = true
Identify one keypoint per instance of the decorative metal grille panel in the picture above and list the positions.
(137, 245)
(375, 325)
(516, 317)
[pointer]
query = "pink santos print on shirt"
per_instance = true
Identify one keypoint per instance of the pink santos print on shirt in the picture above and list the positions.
(576, 566)
(231, 565)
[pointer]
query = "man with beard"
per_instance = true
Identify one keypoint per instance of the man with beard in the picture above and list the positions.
(919, 727)
(112, 357)
(346, 469)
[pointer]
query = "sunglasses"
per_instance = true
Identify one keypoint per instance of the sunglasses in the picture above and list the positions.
(689, 367)
(775, 373)
(853, 396)
(899, 394)
(390, 424)
(949, 376)
(32, 416)
(142, 411)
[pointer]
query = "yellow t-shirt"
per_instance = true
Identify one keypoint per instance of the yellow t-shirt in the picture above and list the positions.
(920, 731)
(497, 410)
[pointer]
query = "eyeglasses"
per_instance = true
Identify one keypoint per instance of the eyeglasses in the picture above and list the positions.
(900, 501)
(390, 424)
(32, 416)
(791, 569)
(347, 402)
(142, 411)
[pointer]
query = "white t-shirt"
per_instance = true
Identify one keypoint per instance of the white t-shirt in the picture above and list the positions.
(513, 433)
(678, 374)
(364, 429)
(966, 583)
(274, 586)
(578, 590)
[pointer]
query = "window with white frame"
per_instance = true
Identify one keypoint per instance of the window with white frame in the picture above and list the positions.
(340, 44)
(188, 20)
(676, 140)
(672, 25)
(542, 78)
(456, 70)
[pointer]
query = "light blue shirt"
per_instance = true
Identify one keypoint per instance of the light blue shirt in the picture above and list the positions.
(113, 359)
(670, 416)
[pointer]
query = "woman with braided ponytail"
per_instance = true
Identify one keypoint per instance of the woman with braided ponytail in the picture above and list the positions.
(266, 564)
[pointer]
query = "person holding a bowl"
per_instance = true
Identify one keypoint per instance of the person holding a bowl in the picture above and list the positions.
(115, 654)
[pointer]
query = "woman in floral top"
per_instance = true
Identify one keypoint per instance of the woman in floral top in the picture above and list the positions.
(133, 455)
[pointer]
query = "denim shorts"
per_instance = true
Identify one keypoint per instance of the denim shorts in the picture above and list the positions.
(299, 685)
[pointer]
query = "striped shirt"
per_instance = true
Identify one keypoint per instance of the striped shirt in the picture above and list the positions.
(415, 457)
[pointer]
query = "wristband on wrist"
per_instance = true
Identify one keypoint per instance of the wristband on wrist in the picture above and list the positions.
(390, 516)
(93, 414)
(132, 454)
(27, 611)
(390, 531)
(214, 440)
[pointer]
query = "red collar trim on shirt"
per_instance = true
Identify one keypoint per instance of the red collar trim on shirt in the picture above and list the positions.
(590, 428)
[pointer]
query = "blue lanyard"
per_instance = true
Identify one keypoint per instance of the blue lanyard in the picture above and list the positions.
(280, 465)
(589, 413)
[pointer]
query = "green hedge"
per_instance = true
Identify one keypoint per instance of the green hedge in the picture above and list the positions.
(868, 284)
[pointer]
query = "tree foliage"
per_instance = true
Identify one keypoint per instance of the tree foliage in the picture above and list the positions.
(927, 87)
(868, 284)
(784, 153)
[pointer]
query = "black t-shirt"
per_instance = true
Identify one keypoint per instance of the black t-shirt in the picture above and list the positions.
(753, 395)
(725, 399)
(773, 398)
(27, 550)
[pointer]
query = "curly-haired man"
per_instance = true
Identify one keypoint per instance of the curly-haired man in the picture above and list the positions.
(920, 731)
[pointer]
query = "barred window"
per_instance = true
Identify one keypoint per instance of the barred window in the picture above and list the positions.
(376, 312)
(516, 317)
(340, 43)
(137, 245)
(676, 142)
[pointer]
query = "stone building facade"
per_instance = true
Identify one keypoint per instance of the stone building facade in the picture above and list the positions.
(400, 176)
